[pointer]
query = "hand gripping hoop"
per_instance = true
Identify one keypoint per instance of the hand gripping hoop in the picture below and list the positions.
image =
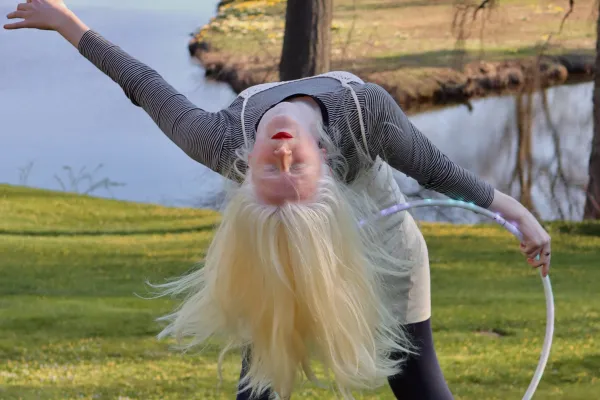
(537, 376)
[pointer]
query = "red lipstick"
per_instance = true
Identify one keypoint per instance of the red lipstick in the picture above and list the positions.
(282, 135)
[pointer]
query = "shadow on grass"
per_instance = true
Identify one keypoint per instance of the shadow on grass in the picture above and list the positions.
(74, 327)
(587, 365)
(449, 58)
(391, 5)
(56, 233)
(191, 391)
(584, 228)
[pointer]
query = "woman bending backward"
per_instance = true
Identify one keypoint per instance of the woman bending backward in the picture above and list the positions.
(289, 275)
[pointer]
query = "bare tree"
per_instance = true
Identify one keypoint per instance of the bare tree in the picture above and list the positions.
(307, 39)
(524, 166)
(525, 172)
(592, 204)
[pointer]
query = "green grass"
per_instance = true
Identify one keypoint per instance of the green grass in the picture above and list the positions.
(72, 324)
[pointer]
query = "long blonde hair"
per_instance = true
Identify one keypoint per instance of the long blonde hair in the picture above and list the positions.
(295, 284)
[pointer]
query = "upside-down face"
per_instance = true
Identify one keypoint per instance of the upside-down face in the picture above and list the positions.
(286, 162)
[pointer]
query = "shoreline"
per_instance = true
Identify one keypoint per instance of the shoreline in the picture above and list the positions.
(431, 89)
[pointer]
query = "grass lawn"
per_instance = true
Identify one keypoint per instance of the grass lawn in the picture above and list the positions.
(408, 46)
(72, 327)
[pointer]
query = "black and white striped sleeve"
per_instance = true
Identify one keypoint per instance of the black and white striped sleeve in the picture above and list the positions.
(392, 136)
(200, 134)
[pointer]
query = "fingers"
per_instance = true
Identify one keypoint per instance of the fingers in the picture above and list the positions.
(534, 262)
(537, 264)
(24, 6)
(534, 245)
(16, 25)
(545, 253)
(545, 266)
(546, 269)
(543, 260)
(17, 14)
(22, 13)
(530, 249)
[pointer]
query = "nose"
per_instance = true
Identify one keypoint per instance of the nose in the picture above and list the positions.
(284, 157)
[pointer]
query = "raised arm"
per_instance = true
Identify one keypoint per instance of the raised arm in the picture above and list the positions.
(200, 134)
(395, 139)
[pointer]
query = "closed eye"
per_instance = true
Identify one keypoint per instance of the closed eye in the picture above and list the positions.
(274, 169)
(270, 168)
(297, 167)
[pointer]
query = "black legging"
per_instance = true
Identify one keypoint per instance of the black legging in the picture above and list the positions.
(421, 378)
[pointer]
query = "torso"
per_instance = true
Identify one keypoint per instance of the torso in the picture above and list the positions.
(339, 111)
(329, 91)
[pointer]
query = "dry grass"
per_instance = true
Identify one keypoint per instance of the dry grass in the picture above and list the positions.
(416, 34)
(406, 44)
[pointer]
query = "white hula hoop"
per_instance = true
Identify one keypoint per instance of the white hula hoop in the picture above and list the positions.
(537, 376)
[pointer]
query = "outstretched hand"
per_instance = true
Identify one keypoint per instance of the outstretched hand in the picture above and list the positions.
(49, 15)
(39, 14)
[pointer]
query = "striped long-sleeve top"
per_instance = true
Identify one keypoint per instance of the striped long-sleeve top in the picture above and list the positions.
(211, 138)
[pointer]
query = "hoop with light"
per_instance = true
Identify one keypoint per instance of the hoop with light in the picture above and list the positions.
(537, 376)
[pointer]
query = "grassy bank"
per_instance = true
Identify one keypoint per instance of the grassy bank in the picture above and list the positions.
(71, 325)
(410, 47)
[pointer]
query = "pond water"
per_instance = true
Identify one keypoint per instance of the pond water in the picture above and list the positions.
(58, 111)
(485, 141)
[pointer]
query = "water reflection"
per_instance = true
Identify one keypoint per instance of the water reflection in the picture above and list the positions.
(485, 141)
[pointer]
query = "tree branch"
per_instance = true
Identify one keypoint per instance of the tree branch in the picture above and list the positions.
(562, 23)
(481, 6)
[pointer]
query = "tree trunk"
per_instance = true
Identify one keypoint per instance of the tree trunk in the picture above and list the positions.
(307, 39)
(592, 202)
(524, 167)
